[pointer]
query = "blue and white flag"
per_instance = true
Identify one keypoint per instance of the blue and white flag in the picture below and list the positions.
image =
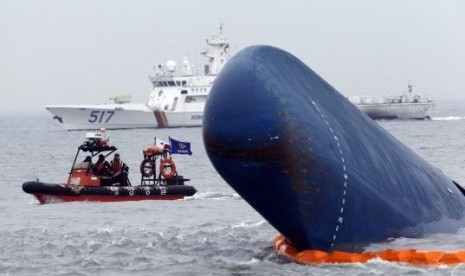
(180, 147)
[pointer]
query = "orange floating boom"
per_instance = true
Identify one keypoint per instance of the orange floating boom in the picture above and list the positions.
(409, 256)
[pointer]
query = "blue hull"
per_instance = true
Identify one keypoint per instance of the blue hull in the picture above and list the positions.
(320, 171)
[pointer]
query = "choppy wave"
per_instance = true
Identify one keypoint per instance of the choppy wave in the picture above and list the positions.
(177, 251)
(211, 233)
(215, 196)
(249, 224)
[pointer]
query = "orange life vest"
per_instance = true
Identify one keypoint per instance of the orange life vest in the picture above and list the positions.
(116, 166)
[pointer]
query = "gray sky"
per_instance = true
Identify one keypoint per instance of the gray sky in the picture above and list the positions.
(86, 51)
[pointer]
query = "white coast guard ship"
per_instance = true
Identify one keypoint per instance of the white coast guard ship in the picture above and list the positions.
(177, 99)
(405, 106)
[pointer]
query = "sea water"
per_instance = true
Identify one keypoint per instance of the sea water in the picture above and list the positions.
(215, 232)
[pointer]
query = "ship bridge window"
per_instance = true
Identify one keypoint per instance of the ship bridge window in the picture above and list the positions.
(178, 83)
(184, 83)
(171, 83)
(196, 99)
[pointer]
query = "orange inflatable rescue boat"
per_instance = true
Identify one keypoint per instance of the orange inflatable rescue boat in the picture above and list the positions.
(97, 182)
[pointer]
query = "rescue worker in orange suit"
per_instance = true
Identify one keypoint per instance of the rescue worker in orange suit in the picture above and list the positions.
(102, 170)
(99, 167)
(119, 170)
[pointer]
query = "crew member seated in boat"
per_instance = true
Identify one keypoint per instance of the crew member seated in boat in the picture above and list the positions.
(119, 170)
(103, 170)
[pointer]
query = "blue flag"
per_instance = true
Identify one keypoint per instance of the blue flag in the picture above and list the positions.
(180, 147)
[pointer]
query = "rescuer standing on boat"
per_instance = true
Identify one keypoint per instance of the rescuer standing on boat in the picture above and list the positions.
(99, 167)
(119, 170)
(116, 164)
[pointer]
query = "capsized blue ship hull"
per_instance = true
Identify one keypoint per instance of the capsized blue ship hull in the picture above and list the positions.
(321, 172)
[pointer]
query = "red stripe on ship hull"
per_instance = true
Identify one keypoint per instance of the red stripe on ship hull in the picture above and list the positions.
(161, 118)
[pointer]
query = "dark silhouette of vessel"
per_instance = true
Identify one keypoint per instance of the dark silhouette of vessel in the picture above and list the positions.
(319, 170)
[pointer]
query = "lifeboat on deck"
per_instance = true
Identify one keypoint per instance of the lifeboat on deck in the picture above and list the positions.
(84, 184)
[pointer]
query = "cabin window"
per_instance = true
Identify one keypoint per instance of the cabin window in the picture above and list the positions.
(196, 99)
(183, 92)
